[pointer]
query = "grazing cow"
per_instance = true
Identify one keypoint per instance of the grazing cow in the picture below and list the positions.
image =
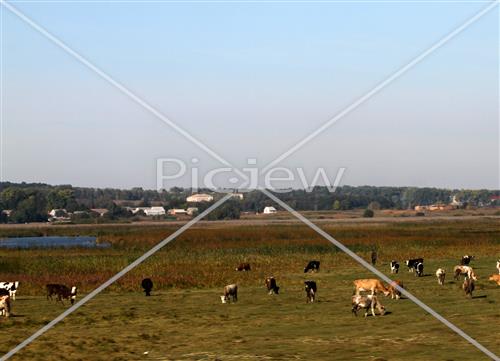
(5, 305)
(394, 266)
(466, 260)
(441, 274)
(374, 257)
(62, 292)
(498, 266)
(312, 266)
(411, 263)
(230, 291)
(311, 290)
(393, 290)
(419, 269)
(468, 286)
(367, 302)
(372, 285)
(467, 271)
(147, 285)
(11, 287)
(495, 278)
(271, 285)
(243, 267)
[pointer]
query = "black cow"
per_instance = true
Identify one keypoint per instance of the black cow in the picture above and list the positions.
(62, 292)
(271, 285)
(374, 257)
(394, 266)
(419, 269)
(147, 285)
(311, 289)
(412, 263)
(466, 260)
(312, 266)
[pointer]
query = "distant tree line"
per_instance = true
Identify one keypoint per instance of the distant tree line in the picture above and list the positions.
(31, 202)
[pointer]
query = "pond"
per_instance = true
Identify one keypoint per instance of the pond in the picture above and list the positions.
(51, 242)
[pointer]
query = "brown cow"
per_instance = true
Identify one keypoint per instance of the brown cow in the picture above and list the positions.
(243, 267)
(495, 278)
(5, 305)
(468, 286)
(372, 285)
(395, 293)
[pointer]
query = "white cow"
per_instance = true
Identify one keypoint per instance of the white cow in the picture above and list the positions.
(441, 274)
(366, 302)
(230, 291)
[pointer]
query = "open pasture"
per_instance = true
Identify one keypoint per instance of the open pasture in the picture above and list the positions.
(185, 320)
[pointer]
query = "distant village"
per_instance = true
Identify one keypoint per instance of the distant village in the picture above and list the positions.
(62, 215)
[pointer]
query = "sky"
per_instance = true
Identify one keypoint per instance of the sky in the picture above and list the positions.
(250, 80)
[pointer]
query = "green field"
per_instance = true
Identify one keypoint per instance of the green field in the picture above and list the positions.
(184, 319)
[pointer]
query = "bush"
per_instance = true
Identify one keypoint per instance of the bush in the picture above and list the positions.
(368, 213)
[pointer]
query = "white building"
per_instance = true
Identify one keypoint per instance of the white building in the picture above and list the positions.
(237, 195)
(197, 198)
(191, 211)
(269, 210)
(154, 211)
(58, 213)
(175, 211)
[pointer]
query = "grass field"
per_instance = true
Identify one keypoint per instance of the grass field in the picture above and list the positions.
(185, 320)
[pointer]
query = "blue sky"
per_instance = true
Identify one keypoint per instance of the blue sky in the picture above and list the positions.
(250, 80)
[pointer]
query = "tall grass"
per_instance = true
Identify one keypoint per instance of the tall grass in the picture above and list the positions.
(206, 257)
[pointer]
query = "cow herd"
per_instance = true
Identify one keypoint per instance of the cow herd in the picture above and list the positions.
(416, 265)
(368, 302)
(8, 292)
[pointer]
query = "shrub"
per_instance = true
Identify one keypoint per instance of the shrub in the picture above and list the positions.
(368, 213)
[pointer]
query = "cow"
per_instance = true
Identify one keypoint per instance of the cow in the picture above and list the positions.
(243, 267)
(498, 266)
(311, 290)
(147, 285)
(419, 269)
(5, 305)
(372, 285)
(11, 287)
(468, 286)
(394, 266)
(230, 291)
(440, 274)
(374, 257)
(411, 263)
(393, 290)
(467, 271)
(62, 292)
(367, 302)
(495, 278)
(312, 266)
(271, 285)
(466, 260)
